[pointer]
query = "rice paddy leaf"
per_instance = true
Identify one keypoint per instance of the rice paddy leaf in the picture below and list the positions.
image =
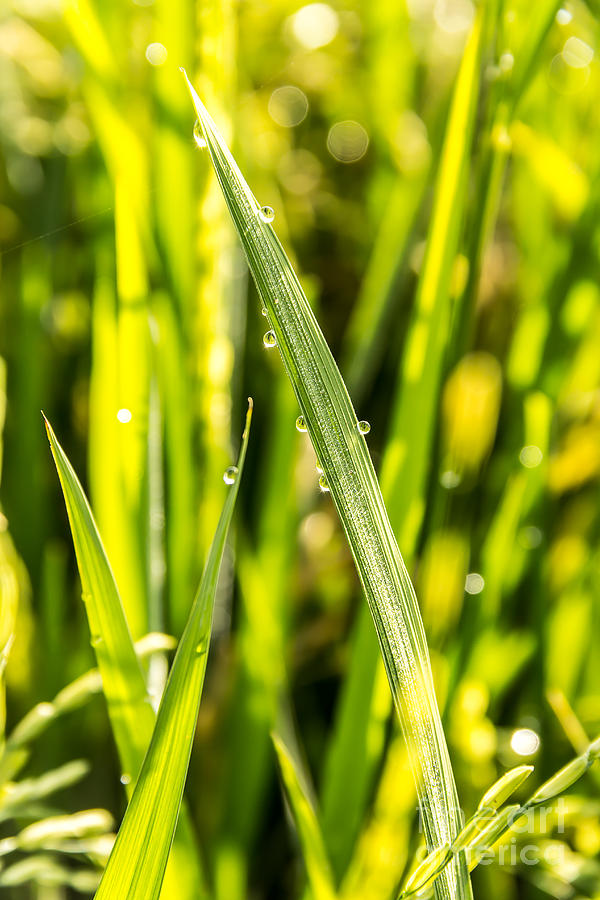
(129, 707)
(408, 453)
(349, 475)
(136, 866)
(313, 847)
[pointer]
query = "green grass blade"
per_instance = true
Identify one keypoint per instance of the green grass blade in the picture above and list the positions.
(408, 453)
(318, 869)
(343, 454)
(129, 707)
(136, 866)
(356, 746)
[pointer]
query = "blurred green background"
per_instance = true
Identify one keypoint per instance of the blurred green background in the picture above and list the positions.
(127, 315)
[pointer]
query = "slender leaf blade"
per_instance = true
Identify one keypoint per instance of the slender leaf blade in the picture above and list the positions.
(343, 454)
(137, 863)
(129, 705)
(313, 847)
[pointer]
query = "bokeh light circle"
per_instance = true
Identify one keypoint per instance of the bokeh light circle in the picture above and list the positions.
(288, 106)
(347, 141)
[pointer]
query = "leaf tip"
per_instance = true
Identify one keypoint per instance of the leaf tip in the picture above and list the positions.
(47, 425)
(248, 418)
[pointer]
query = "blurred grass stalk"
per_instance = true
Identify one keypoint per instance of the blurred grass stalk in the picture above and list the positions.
(342, 453)
(156, 217)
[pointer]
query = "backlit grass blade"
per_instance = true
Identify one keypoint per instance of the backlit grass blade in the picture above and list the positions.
(408, 452)
(124, 686)
(313, 847)
(136, 866)
(348, 472)
(129, 708)
(356, 745)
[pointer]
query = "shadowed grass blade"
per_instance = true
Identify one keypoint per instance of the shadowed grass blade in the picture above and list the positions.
(343, 455)
(136, 866)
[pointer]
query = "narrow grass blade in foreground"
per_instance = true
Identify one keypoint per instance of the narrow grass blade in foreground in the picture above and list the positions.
(129, 708)
(315, 855)
(348, 473)
(136, 866)
(124, 686)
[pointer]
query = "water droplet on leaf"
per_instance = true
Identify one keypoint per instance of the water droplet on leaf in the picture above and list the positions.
(364, 427)
(230, 474)
(323, 484)
(269, 339)
(124, 416)
(267, 213)
(198, 136)
(125, 779)
(301, 424)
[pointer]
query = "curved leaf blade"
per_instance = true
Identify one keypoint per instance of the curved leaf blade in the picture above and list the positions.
(343, 455)
(137, 863)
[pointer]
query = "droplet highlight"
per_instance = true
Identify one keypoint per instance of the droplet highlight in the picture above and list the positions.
(269, 339)
(265, 311)
(266, 214)
(364, 427)
(198, 135)
(323, 484)
(230, 474)
(125, 779)
(301, 424)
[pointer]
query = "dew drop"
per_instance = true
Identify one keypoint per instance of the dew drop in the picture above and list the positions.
(265, 311)
(125, 779)
(266, 213)
(524, 741)
(301, 424)
(96, 640)
(323, 484)
(230, 474)
(201, 648)
(124, 415)
(198, 136)
(364, 427)
(269, 339)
